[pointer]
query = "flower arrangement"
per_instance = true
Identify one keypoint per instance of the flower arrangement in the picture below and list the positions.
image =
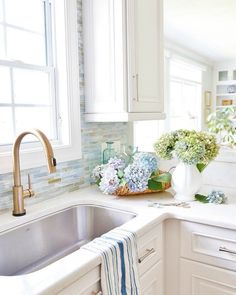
(140, 175)
(189, 146)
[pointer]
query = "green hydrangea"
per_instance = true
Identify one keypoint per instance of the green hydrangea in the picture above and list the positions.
(211, 147)
(189, 146)
(190, 150)
(165, 145)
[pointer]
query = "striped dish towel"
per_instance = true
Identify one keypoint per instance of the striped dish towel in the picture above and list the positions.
(119, 271)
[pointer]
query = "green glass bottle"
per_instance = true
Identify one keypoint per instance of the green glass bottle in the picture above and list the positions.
(108, 153)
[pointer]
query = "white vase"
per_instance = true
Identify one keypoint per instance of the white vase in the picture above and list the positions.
(186, 181)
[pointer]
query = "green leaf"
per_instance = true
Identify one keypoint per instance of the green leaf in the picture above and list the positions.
(98, 181)
(201, 198)
(120, 173)
(164, 177)
(201, 167)
(154, 185)
(123, 182)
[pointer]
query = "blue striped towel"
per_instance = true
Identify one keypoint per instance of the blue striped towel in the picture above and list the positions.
(119, 271)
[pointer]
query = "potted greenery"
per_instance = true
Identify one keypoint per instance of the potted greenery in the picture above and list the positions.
(221, 123)
(194, 150)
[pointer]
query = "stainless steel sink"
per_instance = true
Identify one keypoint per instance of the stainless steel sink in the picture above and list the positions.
(38, 243)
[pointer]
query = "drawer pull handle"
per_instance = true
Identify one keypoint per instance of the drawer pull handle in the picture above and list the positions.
(137, 86)
(97, 293)
(148, 252)
(224, 249)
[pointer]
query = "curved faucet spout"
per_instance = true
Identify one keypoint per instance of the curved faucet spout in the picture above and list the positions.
(18, 193)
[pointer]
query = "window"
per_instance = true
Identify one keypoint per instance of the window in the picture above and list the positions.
(27, 69)
(183, 103)
(145, 133)
(185, 91)
(39, 77)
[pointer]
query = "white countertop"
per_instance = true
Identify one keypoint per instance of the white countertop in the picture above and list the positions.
(68, 269)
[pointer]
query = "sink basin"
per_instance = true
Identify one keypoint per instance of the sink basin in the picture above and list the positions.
(36, 244)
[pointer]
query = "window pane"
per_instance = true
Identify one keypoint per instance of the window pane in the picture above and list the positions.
(2, 48)
(185, 71)
(32, 117)
(6, 126)
(25, 46)
(182, 123)
(1, 11)
(190, 99)
(5, 85)
(176, 99)
(31, 87)
(27, 14)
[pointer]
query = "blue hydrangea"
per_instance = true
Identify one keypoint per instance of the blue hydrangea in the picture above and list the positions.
(98, 172)
(149, 161)
(117, 163)
(216, 197)
(137, 177)
(109, 181)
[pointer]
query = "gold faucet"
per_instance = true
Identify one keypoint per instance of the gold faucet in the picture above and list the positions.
(18, 192)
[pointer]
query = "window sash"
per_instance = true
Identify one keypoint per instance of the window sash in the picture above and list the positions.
(48, 68)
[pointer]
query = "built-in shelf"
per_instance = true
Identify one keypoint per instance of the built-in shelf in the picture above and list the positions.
(227, 82)
(225, 88)
(225, 94)
(230, 105)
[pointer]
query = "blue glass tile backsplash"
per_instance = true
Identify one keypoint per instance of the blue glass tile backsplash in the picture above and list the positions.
(73, 174)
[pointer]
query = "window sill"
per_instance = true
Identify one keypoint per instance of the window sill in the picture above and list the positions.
(36, 158)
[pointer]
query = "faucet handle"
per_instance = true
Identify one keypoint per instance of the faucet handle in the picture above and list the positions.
(28, 193)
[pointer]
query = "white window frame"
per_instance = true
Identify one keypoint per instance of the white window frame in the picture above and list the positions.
(66, 40)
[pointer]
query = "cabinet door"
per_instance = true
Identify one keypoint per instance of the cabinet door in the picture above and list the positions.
(200, 279)
(150, 249)
(152, 281)
(104, 26)
(145, 55)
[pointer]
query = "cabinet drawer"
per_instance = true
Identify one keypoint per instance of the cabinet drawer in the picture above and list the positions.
(150, 249)
(89, 284)
(209, 244)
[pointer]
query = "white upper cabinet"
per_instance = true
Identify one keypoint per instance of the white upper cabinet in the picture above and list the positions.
(145, 55)
(123, 52)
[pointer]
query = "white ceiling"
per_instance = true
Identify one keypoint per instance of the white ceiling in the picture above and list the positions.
(207, 27)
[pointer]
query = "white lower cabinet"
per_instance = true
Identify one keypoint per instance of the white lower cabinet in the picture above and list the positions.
(201, 279)
(149, 266)
(207, 260)
(152, 281)
(150, 262)
(89, 284)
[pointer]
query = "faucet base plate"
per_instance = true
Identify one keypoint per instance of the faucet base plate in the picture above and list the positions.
(18, 214)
